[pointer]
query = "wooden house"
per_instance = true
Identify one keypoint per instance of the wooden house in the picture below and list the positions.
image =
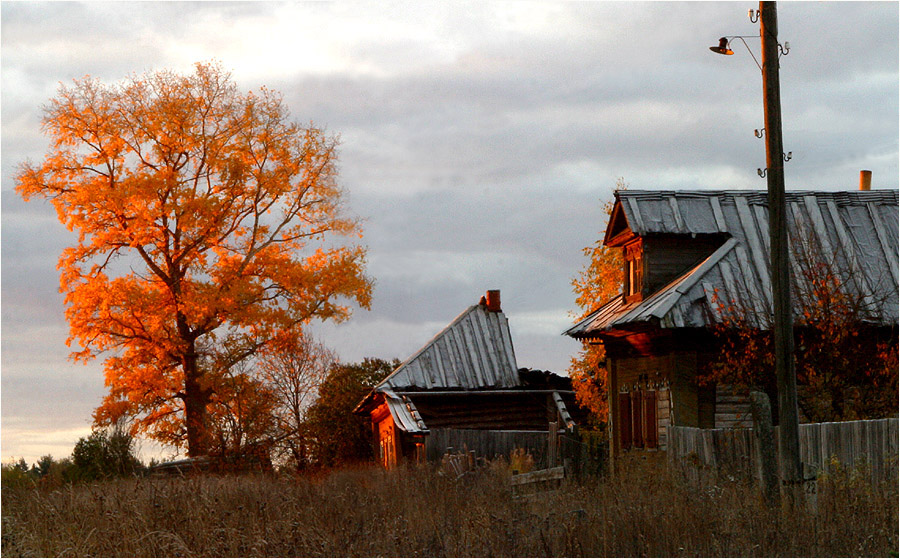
(465, 378)
(684, 252)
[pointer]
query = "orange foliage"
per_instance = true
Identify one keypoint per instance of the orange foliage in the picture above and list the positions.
(596, 284)
(197, 209)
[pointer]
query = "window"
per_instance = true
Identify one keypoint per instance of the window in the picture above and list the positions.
(625, 420)
(651, 435)
(638, 425)
(387, 452)
(634, 269)
(637, 417)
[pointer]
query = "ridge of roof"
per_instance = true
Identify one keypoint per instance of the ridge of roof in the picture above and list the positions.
(474, 351)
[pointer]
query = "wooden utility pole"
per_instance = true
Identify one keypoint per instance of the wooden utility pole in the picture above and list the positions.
(765, 445)
(788, 417)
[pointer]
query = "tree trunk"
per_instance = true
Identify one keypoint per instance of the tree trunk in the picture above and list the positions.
(196, 398)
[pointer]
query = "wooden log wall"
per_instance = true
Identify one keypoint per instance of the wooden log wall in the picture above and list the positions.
(525, 411)
(872, 444)
(663, 416)
(732, 408)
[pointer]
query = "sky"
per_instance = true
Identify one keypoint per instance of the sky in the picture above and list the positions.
(479, 142)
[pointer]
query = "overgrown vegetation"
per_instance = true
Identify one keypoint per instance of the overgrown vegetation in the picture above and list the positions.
(104, 454)
(418, 512)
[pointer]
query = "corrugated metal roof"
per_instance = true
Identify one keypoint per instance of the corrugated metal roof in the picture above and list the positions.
(474, 352)
(855, 232)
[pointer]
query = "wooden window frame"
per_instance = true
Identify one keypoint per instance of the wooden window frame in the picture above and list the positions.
(651, 424)
(625, 420)
(637, 419)
(634, 271)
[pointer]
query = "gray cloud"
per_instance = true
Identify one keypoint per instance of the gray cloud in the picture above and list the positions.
(478, 142)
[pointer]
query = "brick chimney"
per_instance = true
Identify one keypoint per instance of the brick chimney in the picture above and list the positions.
(865, 180)
(493, 300)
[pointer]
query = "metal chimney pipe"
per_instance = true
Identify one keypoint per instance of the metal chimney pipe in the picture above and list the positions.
(865, 180)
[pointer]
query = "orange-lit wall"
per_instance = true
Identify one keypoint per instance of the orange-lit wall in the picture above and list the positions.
(387, 444)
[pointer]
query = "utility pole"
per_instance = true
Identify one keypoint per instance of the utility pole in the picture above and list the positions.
(789, 420)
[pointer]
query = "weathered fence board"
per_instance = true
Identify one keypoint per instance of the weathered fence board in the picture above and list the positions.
(487, 444)
(733, 452)
(583, 454)
(534, 483)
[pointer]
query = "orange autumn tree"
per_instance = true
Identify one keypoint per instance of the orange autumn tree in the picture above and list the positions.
(599, 281)
(207, 226)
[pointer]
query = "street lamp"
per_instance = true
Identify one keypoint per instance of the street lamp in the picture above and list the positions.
(791, 467)
(724, 46)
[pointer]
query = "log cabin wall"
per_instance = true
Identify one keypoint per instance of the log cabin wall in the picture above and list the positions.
(668, 385)
(732, 408)
(525, 412)
(664, 416)
(387, 441)
(641, 408)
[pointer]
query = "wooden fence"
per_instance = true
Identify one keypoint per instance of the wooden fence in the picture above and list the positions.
(583, 454)
(486, 444)
(733, 452)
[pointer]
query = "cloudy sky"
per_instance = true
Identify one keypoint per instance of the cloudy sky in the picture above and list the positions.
(479, 141)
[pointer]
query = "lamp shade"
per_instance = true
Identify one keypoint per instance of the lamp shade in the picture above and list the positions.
(722, 47)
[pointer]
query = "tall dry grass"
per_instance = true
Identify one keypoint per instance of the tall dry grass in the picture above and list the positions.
(368, 512)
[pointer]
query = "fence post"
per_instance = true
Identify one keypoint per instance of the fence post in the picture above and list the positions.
(765, 445)
(552, 445)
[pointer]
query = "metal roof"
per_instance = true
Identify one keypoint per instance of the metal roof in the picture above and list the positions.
(855, 232)
(404, 412)
(473, 352)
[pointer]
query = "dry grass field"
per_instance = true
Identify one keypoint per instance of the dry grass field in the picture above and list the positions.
(417, 512)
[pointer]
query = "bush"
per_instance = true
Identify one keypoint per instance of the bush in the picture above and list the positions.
(105, 455)
(16, 474)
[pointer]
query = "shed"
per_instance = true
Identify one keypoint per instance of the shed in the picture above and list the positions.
(464, 378)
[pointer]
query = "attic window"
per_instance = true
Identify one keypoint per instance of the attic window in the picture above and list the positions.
(634, 270)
